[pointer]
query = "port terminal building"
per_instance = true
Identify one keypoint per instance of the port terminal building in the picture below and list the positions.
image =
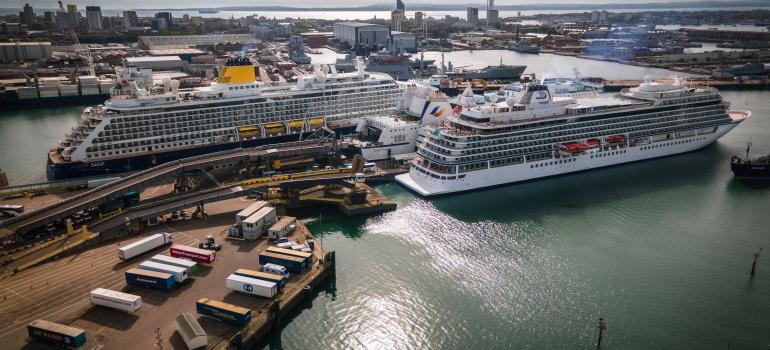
(362, 36)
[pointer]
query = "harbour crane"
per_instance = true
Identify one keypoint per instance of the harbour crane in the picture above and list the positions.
(83, 51)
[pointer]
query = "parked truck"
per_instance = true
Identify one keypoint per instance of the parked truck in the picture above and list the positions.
(223, 311)
(116, 300)
(152, 279)
(189, 265)
(144, 245)
(279, 280)
(58, 334)
(179, 273)
(251, 286)
(292, 263)
(201, 256)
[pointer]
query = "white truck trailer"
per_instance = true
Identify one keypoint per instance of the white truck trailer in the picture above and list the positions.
(116, 300)
(179, 273)
(251, 286)
(142, 246)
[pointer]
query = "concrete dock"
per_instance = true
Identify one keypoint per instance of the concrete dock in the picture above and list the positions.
(58, 291)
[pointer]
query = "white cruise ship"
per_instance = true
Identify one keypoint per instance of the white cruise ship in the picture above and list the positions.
(541, 135)
(146, 123)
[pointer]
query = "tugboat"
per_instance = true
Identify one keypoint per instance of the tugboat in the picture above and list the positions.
(758, 168)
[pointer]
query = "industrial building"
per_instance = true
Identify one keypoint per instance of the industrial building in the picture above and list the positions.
(472, 15)
(362, 36)
(24, 51)
(157, 63)
(402, 41)
(186, 41)
(94, 17)
(316, 39)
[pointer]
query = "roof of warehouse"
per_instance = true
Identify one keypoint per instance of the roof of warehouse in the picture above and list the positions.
(153, 59)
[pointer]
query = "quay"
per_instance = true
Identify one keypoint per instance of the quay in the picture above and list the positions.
(58, 291)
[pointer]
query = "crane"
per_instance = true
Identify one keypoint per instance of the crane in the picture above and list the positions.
(84, 52)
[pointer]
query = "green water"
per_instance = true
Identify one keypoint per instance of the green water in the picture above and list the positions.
(661, 249)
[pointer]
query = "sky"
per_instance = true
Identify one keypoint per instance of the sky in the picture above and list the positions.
(135, 4)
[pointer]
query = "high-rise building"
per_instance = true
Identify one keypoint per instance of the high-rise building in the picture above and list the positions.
(50, 17)
(94, 17)
(418, 18)
(130, 19)
(472, 15)
(27, 16)
(400, 6)
(164, 20)
(492, 14)
(396, 17)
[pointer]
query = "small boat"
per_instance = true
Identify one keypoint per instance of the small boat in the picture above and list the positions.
(593, 143)
(748, 168)
(573, 148)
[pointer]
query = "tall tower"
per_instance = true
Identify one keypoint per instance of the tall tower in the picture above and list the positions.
(400, 6)
(492, 14)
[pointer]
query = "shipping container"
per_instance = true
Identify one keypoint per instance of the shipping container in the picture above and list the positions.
(152, 279)
(291, 252)
(179, 273)
(191, 331)
(250, 210)
(189, 265)
(116, 300)
(292, 263)
(280, 280)
(286, 245)
(223, 311)
(281, 228)
(142, 246)
(201, 256)
(55, 333)
(251, 286)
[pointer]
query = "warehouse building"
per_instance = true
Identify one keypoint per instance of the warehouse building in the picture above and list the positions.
(24, 51)
(362, 36)
(157, 63)
(187, 41)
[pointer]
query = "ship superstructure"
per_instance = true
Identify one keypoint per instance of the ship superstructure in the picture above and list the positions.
(540, 135)
(147, 122)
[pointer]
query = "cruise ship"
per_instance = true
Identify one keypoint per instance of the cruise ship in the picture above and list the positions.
(146, 122)
(540, 135)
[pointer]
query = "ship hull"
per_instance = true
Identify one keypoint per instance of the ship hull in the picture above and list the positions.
(750, 171)
(71, 170)
(426, 185)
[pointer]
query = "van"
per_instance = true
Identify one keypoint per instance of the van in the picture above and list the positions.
(275, 269)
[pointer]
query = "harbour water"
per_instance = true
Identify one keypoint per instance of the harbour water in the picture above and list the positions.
(661, 249)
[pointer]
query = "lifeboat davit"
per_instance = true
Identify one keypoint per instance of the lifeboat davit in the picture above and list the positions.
(615, 139)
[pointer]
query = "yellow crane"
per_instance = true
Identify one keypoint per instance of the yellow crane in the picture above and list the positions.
(84, 52)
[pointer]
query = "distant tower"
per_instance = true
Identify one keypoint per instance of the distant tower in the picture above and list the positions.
(94, 16)
(472, 15)
(27, 16)
(400, 6)
(492, 14)
(397, 16)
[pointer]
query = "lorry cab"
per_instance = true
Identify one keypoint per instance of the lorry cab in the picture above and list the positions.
(275, 269)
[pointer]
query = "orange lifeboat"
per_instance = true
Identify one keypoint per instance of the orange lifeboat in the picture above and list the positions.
(573, 148)
(593, 143)
(615, 138)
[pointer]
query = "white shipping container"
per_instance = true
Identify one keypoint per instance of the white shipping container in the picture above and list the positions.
(131, 250)
(116, 300)
(169, 260)
(179, 273)
(251, 286)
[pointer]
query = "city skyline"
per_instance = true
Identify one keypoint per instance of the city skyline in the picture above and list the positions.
(177, 4)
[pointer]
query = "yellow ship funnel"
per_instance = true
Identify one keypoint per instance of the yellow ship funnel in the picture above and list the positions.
(237, 71)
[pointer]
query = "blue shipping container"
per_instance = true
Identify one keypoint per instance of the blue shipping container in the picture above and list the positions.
(279, 280)
(152, 279)
(223, 312)
(291, 263)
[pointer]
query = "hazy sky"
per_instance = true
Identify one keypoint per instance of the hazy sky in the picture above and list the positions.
(292, 3)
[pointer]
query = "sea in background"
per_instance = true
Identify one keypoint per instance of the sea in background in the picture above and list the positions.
(661, 249)
(366, 15)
